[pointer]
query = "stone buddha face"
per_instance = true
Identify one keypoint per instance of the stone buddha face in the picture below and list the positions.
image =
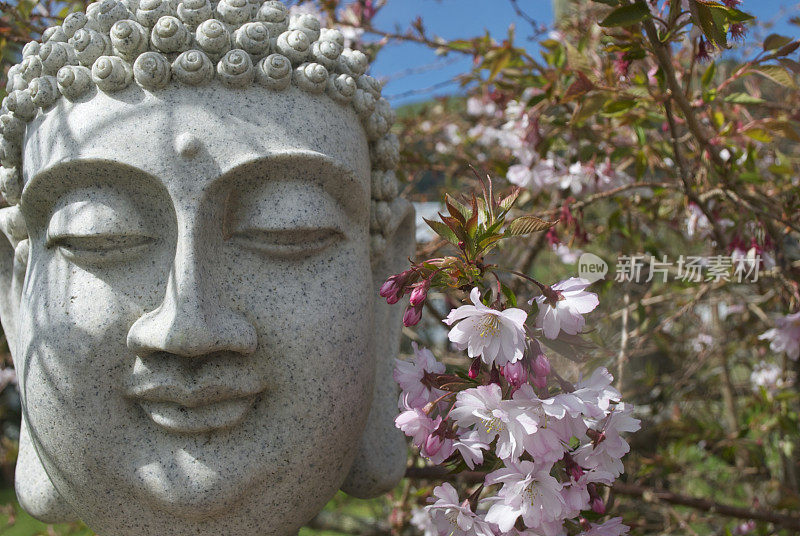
(191, 309)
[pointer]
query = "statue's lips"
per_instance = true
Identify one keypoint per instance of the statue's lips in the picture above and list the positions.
(194, 410)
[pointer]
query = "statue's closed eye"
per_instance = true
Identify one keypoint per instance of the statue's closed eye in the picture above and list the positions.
(288, 243)
(98, 231)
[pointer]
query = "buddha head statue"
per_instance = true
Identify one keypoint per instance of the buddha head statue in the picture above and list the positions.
(203, 205)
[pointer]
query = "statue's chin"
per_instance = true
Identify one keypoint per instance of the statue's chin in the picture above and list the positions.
(189, 489)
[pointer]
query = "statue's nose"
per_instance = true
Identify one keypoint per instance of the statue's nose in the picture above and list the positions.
(191, 321)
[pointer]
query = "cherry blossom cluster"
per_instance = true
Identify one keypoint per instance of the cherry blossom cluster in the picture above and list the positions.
(513, 128)
(546, 448)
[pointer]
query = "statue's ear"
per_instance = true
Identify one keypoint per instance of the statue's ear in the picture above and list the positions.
(13, 263)
(35, 492)
(380, 461)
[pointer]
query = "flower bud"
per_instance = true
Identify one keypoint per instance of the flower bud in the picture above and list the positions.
(574, 470)
(540, 382)
(475, 368)
(394, 287)
(412, 316)
(515, 373)
(541, 366)
(420, 293)
(433, 444)
(388, 288)
(598, 506)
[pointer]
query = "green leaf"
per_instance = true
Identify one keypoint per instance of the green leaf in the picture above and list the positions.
(462, 212)
(627, 15)
(509, 294)
(509, 201)
(618, 108)
(777, 74)
(528, 224)
(500, 63)
(758, 134)
(737, 15)
(783, 128)
(442, 230)
(792, 65)
(708, 76)
(775, 41)
(743, 98)
(704, 17)
(577, 60)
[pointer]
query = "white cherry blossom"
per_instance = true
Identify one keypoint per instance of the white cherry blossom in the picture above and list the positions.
(453, 518)
(529, 491)
(566, 314)
(606, 453)
(483, 408)
(409, 376)
(497, 336)
(785, 336)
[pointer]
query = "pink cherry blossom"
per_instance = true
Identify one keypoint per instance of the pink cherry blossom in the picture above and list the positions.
(409, 376)
(483, 408)
(544, 444)
(566, 314)
(785, 336)
(597, 393)
(453, 518)
(576, 494)
(606, 452)
(497, 336)
(417, 425)
(529, 491)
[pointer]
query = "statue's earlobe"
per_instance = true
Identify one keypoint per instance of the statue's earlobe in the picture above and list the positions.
(380, 461)
(35, 492)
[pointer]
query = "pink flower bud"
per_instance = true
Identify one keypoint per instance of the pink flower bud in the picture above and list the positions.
(420, 293)
(598, 506)
(541, 366)
(515, 373)
(394, 287)
(412, 316)
(574, 470)
(540, 382)
(432, 445)
(475, 368)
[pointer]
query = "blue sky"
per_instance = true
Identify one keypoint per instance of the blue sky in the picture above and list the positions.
(467, 18)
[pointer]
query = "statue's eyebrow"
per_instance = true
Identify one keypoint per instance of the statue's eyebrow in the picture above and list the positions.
(38, 183)
(340, 182)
